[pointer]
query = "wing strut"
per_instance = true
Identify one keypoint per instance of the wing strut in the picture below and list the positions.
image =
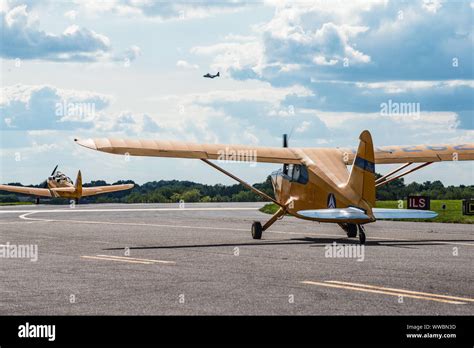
(388, 177)
(250, 187)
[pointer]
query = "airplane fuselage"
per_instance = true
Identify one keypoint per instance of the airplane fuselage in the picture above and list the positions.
(298, 188)
(61, 181)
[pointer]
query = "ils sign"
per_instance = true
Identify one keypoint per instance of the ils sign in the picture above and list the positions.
(418, 202)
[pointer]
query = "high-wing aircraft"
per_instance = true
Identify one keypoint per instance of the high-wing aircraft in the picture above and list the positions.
(211, 76)
(314, 183)
(59, 185)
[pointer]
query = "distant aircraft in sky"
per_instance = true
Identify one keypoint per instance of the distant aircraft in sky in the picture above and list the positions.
(211, 76)
(59, 185)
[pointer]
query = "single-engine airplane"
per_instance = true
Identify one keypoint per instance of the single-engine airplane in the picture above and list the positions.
(314, 183)
(211, 76)
(59, 185)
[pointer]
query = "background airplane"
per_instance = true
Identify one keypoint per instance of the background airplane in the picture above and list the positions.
(59, 185)
(314, 183)
(211, 76)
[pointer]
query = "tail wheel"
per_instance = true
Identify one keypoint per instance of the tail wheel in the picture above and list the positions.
(256, 230)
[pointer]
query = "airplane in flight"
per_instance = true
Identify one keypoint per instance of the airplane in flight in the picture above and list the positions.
(59, 185)
(211, 76)
(314, 183)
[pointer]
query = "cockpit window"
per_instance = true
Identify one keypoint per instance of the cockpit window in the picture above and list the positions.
(62, 177)
(296, 173)
(299, 174)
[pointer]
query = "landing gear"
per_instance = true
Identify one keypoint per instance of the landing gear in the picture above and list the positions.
(350, 229)
(257, 230)
(361, 234)
(257, 227)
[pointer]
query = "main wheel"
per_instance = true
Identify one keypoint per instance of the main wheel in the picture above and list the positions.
(256, 230)
(351, 230)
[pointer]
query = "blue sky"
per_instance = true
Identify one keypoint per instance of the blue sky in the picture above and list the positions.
(321, 69)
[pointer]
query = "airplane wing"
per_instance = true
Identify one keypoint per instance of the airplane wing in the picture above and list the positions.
(63, 189)
(95, 190)
(27, 190)
(383, 155)
(383, 213)
(352, 214)
(417, 153)
(161, 148)
(342, 214)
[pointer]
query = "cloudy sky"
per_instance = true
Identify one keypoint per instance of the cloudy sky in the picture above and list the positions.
(321, 70)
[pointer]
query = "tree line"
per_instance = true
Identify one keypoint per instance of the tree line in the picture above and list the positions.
(173, 191)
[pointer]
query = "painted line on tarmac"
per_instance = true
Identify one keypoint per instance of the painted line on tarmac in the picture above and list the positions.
(389, 291)
(133, 258)
(25, 217)
(407, 291)
(68, 210)
(126, 259)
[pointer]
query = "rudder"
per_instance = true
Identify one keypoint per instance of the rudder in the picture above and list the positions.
(78, 184)
(362, 177)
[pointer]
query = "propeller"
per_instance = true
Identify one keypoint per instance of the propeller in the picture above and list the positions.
(54, 170)
(285, 144)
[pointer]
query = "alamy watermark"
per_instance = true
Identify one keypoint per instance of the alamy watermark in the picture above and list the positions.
(391, 108)
(19, 251)
(75, 109)
(335, 250)
(37, 331)
(240, 155)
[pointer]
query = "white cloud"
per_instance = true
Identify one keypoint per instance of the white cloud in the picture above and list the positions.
(404, 86)
(71, 15)
(160, 10)
(22, 38)
(25, 107)
(234, 55)
(263, 92)
(432, 5)
(185, 65)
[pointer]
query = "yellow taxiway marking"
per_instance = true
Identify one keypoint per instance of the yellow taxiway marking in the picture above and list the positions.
(390, 291)
(132, 258)
(126, 259)
(406, 291)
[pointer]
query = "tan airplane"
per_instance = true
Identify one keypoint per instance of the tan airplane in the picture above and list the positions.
(314, 183)
(59, 185)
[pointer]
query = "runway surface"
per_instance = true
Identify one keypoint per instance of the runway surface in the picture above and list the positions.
(157, 259)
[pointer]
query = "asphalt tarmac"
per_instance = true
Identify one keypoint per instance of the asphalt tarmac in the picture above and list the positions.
(160, 259)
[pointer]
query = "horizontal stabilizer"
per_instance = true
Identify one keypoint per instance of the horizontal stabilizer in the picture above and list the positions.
(383, 213)
(335, 214)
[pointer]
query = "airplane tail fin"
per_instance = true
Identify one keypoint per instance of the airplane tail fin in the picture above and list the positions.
(218, 74)
(78, 184)
(362, 177)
